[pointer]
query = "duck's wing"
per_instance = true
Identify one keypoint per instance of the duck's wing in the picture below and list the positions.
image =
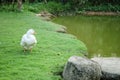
(22, 43)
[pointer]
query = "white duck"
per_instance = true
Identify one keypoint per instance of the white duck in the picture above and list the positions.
(28, 40)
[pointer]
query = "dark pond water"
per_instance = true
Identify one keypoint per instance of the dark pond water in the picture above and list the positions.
(101, 34)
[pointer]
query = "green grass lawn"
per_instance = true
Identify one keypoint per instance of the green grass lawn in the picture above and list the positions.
(48, 56)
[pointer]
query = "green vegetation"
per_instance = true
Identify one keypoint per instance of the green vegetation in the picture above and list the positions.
(52, 7)
(48, 56)
(58, 7)
(102, 8)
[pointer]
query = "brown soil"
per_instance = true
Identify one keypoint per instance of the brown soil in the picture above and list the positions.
(102, 13)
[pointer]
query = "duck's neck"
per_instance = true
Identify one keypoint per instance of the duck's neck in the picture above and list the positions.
(29, 35)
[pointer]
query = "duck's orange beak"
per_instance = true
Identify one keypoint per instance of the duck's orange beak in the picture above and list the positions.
(34, 33)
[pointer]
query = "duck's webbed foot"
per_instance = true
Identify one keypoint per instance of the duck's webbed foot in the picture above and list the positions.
(24, 50)
(31, 50)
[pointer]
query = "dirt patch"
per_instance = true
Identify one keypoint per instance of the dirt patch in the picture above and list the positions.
(102, 13)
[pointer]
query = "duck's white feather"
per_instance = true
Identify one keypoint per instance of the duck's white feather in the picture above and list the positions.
(28, 40)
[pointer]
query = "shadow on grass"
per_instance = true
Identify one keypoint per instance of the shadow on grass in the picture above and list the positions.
(58, 71)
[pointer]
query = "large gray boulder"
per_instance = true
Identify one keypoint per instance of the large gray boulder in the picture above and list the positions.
(110, 68)
(79, 68)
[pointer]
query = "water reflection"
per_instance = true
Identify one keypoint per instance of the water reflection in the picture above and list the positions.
(100, 34)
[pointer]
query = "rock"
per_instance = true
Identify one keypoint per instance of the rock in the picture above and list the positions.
(110, 68)
(45, 15)
(79, 68)
(46, 18)
(62, 29)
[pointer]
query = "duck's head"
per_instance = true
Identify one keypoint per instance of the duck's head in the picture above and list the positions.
(30, 32)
